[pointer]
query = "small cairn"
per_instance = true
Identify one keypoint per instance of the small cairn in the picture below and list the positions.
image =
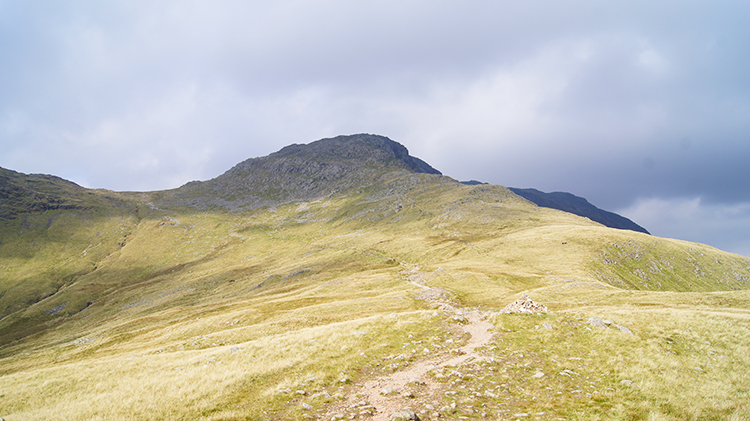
(525, 305)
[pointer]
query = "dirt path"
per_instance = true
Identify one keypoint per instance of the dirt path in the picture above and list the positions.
(385, 395)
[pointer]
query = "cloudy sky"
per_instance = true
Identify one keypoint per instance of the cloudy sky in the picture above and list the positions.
(641, 107)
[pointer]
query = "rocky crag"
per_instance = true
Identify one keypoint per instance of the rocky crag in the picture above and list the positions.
(299, 172)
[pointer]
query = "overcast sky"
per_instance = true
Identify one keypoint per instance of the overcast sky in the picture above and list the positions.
(641, 107)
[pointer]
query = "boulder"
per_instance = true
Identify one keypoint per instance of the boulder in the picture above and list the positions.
(623, 329)
(597, 322)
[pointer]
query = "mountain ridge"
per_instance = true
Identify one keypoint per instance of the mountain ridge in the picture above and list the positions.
(295, 172)
(569, 202)
(35, 193)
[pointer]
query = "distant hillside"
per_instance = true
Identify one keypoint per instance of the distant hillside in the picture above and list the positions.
(579, 206)
(27, 194)
(21, 193)
(473, 183)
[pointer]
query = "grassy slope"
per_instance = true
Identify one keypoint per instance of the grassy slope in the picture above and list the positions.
(206, 315)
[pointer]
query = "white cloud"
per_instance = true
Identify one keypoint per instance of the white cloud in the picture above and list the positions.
(652, 61)
(585, 96)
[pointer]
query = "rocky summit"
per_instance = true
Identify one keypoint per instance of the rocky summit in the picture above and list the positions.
(301, 172)
(347, 279)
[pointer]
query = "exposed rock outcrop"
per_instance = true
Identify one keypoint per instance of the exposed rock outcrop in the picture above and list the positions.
(300, 172)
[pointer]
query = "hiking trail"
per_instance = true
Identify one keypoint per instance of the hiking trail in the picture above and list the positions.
(381, 397)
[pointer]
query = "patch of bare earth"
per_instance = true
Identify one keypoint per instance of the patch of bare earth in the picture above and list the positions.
(413, 389)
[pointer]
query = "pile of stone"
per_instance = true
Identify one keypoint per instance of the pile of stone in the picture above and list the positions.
(525, 305)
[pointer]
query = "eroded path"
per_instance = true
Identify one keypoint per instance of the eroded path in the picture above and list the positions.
(381, 397)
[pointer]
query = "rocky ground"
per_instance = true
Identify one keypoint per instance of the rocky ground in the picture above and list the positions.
(484, 378)
(416, 392)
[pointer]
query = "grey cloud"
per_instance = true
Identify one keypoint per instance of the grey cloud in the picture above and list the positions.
(617, 102)
(726, 227)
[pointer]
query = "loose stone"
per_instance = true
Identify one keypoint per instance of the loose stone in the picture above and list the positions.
(405, 415)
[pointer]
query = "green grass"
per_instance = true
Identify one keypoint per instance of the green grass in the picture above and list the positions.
(132, 312)
(677, 365)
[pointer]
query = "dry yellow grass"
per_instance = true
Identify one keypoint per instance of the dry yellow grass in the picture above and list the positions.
(309, 294)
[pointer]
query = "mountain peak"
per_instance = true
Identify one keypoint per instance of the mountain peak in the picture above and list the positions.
(301, 172)
(365, 147)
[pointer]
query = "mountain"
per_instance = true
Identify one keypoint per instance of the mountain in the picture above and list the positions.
(568, 202)
(21, 194)
(317, 282)
(300, 172)
(576, 205)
